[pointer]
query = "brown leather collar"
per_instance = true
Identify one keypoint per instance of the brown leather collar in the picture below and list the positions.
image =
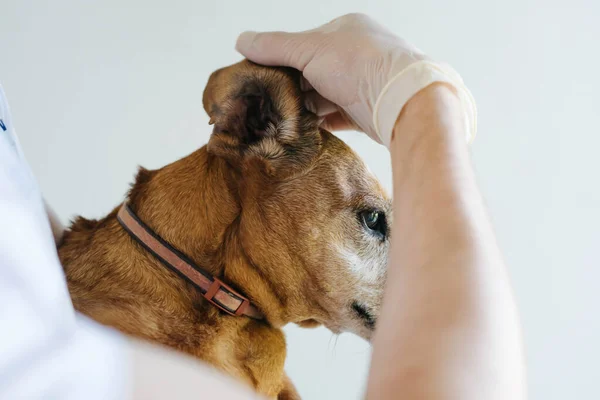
(214, 290)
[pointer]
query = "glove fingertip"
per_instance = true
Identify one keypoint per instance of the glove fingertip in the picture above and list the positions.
(245, 42)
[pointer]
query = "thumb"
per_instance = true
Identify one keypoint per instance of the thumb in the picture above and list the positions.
(294, 50)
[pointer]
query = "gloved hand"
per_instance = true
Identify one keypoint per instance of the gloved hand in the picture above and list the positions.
(358, 74)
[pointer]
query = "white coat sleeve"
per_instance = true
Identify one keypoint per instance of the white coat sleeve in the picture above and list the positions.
(47, 350)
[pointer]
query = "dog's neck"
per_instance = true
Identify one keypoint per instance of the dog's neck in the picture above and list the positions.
(194, 204)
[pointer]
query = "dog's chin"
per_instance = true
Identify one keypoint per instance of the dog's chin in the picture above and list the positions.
(356, 328)
(365, 333)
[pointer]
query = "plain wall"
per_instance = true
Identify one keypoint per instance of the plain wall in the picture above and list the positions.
(99, 87)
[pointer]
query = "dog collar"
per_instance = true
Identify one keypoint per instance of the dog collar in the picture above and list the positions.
(213, 289)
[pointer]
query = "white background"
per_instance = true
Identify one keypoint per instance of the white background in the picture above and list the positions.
(98, 87)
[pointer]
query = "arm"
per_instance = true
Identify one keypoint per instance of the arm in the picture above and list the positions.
(448, 328)
(455, 334)
(159, 373)
(56, 226)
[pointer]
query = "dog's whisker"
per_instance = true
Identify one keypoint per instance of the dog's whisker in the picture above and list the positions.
(330, 339)
(335, 344)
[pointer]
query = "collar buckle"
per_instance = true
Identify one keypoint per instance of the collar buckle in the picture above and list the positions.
(226, 298)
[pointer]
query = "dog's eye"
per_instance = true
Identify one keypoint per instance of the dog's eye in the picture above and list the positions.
(374, 222)
(371, 218)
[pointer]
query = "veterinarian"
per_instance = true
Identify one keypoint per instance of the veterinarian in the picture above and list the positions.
(449, 327)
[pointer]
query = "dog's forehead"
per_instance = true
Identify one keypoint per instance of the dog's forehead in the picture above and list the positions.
(351, 175)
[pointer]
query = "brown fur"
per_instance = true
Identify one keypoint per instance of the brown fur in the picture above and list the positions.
(269, 206)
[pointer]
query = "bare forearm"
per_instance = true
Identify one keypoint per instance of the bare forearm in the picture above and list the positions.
(449, 327)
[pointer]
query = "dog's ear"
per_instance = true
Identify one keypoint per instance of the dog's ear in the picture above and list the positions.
(259, 115)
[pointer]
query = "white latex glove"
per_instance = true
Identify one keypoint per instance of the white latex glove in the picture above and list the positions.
(361, 73)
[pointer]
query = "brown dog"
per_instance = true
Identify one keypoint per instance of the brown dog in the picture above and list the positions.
(277, 208)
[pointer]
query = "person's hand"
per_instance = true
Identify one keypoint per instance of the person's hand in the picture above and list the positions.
(358, 74)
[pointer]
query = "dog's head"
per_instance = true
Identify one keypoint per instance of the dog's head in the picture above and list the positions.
(314, 221)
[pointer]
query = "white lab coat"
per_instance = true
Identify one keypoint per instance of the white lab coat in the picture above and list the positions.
(47, 350)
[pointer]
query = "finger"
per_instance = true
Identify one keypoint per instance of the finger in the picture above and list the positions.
(338, 122)
(319, 104)
(294, 50)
